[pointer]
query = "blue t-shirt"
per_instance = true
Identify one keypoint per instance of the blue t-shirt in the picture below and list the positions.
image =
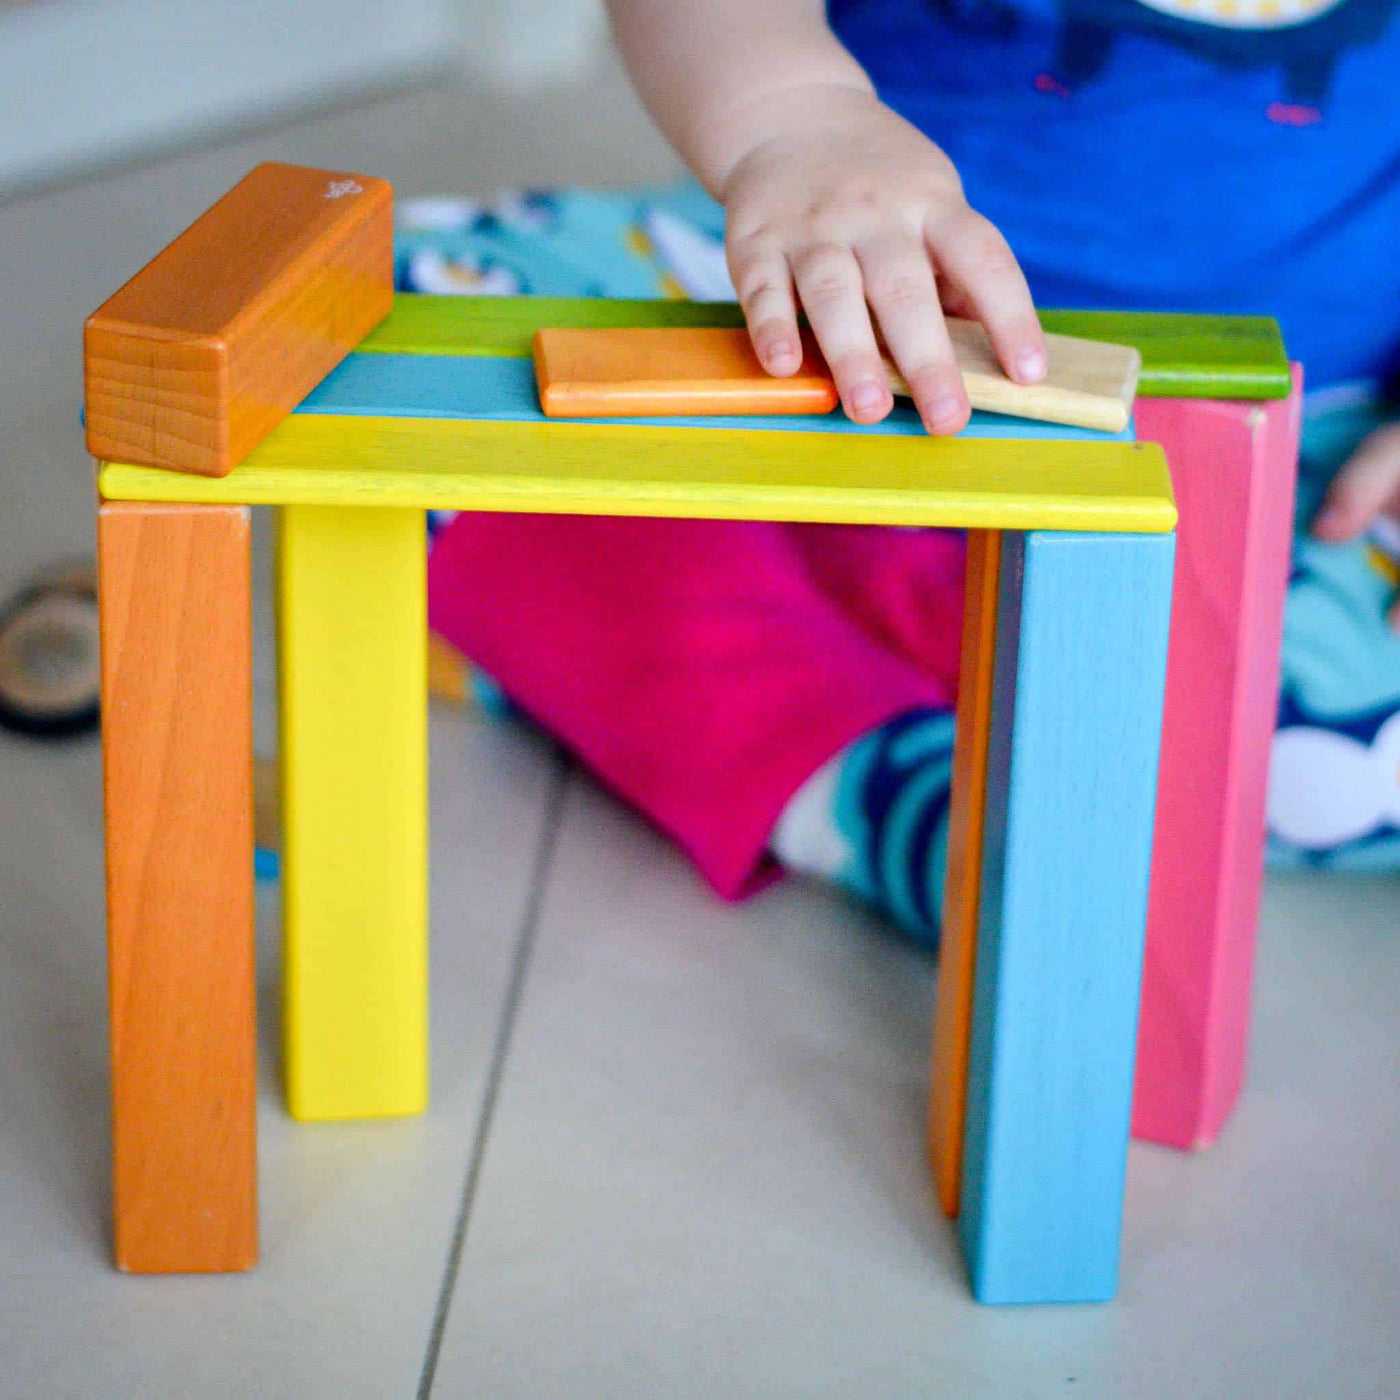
(1213, 155)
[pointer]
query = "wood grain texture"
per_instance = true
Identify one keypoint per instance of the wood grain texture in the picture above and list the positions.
(1234, 466)
(957, 947)
(598, 469)
(352, 631)
(177, 751)
(1184, 355)
(647, 371)
(1072, 769)
(1089, 383)
(201, 354)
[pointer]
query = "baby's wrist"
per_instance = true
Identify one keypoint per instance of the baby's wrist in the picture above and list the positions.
(726, 137)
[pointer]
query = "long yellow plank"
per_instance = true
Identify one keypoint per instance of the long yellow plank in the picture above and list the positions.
(353, 673)
(726, 474)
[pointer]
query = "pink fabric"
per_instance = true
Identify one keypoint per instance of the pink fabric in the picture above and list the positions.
(704, 669)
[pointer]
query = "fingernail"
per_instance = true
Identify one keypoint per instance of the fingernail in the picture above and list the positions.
(780, 354)
(1030, 364)
(944, 411)
(867, 397)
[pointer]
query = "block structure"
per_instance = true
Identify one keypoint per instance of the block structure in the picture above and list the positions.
(438, 410)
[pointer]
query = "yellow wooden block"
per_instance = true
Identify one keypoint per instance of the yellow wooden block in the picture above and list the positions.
(353, 670)
(722, 474)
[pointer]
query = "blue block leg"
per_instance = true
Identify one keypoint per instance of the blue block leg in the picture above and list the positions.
(1072, 769)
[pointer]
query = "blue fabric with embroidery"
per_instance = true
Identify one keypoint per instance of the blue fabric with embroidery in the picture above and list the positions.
(1142, 155)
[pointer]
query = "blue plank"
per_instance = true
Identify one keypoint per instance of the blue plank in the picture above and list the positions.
(1072, 767)
(486, 388)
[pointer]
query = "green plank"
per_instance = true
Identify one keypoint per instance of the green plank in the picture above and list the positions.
(1190, 356)
(1183, 356)
(448, 325)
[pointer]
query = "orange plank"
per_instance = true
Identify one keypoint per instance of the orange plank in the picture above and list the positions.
(957, 951)
(177, 752)
(699, 371)
(197, 358)
(693, 370)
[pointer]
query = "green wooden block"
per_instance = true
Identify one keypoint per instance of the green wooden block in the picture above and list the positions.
(1190, 356)
(504, 326)
(1183, 355)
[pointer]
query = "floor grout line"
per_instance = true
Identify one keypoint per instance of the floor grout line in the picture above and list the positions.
(529, 927)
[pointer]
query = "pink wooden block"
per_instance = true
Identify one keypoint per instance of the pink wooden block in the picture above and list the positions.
(1234, 468)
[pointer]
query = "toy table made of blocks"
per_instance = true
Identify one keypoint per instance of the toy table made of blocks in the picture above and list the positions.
(1052, 885)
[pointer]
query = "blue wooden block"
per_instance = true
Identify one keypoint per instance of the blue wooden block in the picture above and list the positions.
(497, 389)
(1072, 768)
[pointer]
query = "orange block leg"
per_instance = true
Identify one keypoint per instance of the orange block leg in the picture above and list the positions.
(953, 1017)
(177, 746)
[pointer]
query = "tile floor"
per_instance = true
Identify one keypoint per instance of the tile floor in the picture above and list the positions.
(674, 1148)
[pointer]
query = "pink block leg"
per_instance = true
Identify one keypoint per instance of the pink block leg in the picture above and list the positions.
(1234, 468)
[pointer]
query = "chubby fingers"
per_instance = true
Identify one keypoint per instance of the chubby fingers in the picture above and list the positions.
(763, 282)
(1365, 486)
(832, 290)
(902, 292)
(971, 253)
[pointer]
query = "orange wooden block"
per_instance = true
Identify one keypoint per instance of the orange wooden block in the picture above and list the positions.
(701, 371)
(195, 360)
(958, 945)
(600, 373)
(177, 750)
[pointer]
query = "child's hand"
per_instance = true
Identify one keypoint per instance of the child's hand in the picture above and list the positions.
(1367, 486)
(855, 209)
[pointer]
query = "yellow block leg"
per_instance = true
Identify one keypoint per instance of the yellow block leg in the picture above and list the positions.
(353, 639)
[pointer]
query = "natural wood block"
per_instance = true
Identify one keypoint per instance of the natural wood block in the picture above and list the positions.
(197, 358)
(177, 770)
(594, 373)
(962, 886)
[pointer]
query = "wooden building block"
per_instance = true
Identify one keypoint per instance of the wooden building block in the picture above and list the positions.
(621, 373)
(626, 373)
(1184, 355)
(625, 469)
(353, 673)
(1234, 466)
(177, 771)
(962, 886)
(197, 358)
(1191, 355)
(1072, 766)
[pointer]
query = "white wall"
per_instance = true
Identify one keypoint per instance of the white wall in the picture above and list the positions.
(86, 81)
(529, 44)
